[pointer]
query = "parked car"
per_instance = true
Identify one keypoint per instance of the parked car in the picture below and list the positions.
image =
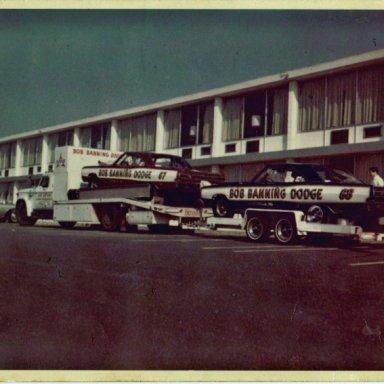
(323, 193)
(7, 213)
(169, 175)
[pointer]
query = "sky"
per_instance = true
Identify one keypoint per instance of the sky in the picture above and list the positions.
(58, 66)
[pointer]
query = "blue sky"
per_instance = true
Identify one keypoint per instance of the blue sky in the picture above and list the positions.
(58, 66)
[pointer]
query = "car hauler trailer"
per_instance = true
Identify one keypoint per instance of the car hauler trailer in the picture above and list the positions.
(286, 225)
(60, 196)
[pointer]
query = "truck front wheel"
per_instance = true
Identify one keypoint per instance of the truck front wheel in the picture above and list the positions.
(22, 216)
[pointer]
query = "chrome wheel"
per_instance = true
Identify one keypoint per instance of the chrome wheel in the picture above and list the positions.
(256, 229)
(285, 231)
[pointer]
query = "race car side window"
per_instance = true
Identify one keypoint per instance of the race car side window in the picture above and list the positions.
(272, 176)
(162, 162)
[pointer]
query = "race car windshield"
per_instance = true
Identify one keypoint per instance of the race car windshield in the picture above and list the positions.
(304, 173)
(338, 176)
(129, 159)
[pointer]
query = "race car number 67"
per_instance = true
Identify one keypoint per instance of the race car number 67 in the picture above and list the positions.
(346, 194)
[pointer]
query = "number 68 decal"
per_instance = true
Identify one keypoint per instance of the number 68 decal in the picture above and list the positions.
(346, 194)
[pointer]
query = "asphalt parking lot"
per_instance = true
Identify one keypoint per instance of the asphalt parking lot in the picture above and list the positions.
(86, 299)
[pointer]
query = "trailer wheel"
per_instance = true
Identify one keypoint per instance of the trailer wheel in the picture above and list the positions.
(67, 224)
(221, 207)
(21, 214)
(285, 230)
(109, 216)
(256, 228)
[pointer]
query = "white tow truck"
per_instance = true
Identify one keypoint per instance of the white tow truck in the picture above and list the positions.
(62, 197)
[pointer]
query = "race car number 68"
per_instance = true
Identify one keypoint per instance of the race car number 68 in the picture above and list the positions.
(346, 194)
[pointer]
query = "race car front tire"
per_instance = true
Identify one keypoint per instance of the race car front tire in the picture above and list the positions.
(222, 207)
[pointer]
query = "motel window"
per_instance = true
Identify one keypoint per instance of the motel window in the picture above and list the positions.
(341, 100)
(138, 133)
(60, 139)
(254, 114)
(205, 123)
(196, 124)
(188, 125)
(277, 111)
(96, 136)
(232, 116)
(311, 105)
(370, 91)
(31, 151)
(7, 155)
(172, 123)
(52, 144)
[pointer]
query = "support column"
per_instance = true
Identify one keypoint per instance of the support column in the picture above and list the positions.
(217, 127)
(114, 144)
(18, 158)
(160, 129)
(76, 137)
(293, 114)
(44, 154)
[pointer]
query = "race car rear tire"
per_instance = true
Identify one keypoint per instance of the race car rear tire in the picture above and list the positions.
(21, 214)
(221, 207)
(257, 229)
(285, 230)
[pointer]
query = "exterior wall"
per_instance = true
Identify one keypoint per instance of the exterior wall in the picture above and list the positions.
(256, 140)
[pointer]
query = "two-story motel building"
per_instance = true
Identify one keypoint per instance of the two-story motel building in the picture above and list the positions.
(330, 113)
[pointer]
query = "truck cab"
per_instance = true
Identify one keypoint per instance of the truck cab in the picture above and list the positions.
(36, 202)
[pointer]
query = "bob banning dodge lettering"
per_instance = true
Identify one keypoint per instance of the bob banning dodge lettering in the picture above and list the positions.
(126, 173)
(277, 193)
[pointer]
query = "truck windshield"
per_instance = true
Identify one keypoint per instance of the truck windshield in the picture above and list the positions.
(44, 182)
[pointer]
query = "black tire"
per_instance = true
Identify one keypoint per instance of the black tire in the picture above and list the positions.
(315, 214)
(93, 182)
(257, 229)
(110, 217)
(67, 224)
(285, 230)
(222, 207)
(11, 216)
(21, 214)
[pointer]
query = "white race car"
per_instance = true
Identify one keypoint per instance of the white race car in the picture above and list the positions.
(323, 193)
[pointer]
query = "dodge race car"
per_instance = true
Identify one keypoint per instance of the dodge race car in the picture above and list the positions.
(168, 174)
(323, 193)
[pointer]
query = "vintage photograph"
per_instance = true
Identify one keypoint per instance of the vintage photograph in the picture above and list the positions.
(192, 190)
